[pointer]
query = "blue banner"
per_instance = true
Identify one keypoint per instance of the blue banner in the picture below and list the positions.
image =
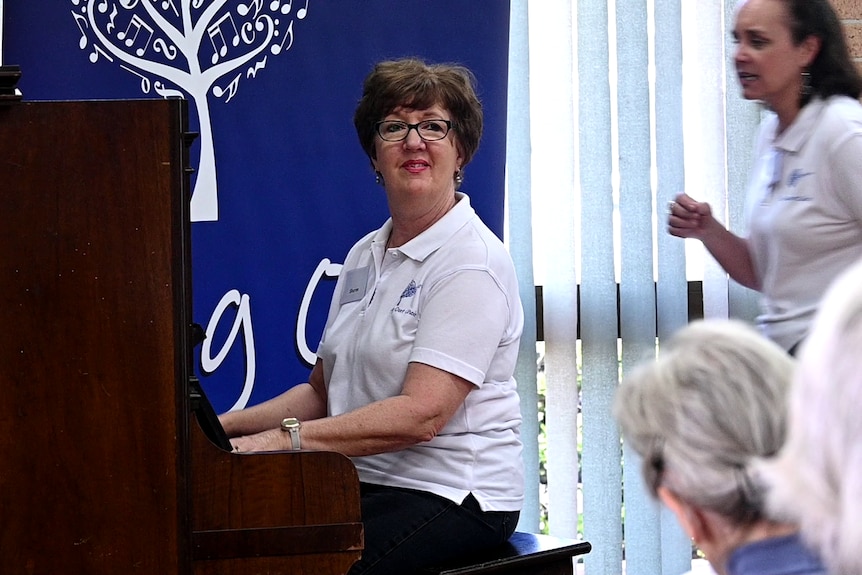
(282, 188)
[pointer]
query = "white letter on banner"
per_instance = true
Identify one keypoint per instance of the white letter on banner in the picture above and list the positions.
(331, 270)
(243, 319)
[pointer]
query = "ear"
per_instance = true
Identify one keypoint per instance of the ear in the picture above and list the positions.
(459, 158)
(689, 517)
(808, 50)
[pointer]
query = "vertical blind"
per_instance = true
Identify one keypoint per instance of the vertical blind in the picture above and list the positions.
(518, 224)
(625, 104)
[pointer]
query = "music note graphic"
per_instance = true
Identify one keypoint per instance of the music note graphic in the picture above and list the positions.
(111, 24)
(79, 20)
(170, 4)
(94, 55)
(145, 82)
(166, 92)
(217, 37)
(278, 48)
(161, 46)
(259, 65)
(302, 12)
(218, 91)
(275, 6)
(131, 39)
(245, 9)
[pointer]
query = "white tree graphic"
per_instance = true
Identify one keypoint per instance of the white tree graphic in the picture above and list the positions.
(190, 45)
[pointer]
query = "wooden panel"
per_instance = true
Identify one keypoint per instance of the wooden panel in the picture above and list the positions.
(278, 512)
(93, 345)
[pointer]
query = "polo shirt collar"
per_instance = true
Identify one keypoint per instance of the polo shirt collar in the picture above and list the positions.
(795, 136)
(774, 556)
(431, 239)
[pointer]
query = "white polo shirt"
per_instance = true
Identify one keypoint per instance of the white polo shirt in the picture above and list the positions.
(448, 298)
(808, 228)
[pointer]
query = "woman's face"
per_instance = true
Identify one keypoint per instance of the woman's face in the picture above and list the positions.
(416, 167)
(768, 64)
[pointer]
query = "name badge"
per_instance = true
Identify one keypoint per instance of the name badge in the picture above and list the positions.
(355, 284)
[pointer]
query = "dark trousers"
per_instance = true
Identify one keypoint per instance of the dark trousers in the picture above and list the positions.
(408, 530)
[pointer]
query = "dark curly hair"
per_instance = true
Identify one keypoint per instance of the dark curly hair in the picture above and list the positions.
(411, 83)
(832, 71)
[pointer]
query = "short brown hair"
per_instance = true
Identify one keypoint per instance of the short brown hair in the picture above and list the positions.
(411, 83)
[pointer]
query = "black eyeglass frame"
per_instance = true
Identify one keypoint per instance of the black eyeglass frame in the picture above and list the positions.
(386, 138)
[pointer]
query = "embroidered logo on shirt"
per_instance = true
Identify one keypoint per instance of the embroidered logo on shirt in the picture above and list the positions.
(409, 291)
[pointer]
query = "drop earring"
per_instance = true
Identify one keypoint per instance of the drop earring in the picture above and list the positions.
(378, 178)
(459, 178)
(805, 89)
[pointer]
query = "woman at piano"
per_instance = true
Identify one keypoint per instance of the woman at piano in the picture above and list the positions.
(414, 373)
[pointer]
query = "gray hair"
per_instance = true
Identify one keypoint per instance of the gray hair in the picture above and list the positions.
(712, 403)
(817, 478)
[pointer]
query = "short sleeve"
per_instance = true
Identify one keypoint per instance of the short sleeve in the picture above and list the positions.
(465, 318)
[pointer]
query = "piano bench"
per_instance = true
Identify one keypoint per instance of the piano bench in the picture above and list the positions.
(522, 553)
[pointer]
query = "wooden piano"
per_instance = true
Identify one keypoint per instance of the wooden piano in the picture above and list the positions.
(104, 469)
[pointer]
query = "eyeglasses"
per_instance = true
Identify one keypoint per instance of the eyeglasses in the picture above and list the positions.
(428, 130)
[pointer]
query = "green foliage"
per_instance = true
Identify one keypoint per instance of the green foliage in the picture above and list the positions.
(543, 442)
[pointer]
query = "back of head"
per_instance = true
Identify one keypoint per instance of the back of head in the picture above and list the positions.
(833, 71)
(817, 478)
(415, 84)
(712, 402)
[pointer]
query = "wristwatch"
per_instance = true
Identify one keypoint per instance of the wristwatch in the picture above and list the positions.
(291, 425)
